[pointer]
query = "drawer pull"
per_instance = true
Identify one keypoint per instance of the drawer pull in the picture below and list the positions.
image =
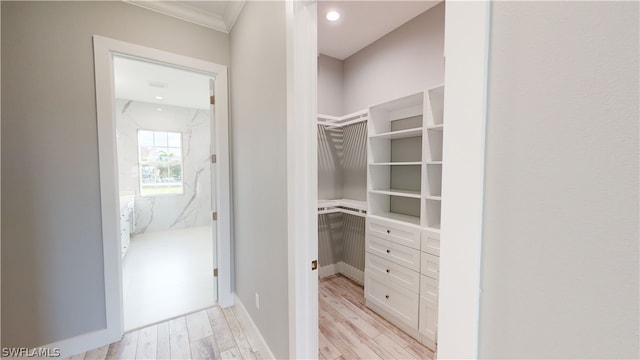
(388, 251)
(388, 271)
(388, 231)
(387, 296)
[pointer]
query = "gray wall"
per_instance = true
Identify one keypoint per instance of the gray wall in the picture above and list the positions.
(258, 137)
(330, 93)
(407, 60)
(52, 268)
(560, 249)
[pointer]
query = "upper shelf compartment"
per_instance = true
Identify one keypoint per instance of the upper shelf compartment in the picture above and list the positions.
(436, 108)
(397, 116)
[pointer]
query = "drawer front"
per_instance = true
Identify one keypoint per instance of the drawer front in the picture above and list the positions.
(401, 234)
(428, 322)
(400, 302)
(429, 288)
(430, 265)
(431, 242)
(393, 252)
(393, 273)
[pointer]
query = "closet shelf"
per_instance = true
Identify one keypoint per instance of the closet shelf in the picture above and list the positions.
(402, 218)
(430, 197)
(396, 192)
(341, 121)
(400, 134)
(435, 127)
(396, 163)
(346, 206)
(439, 162)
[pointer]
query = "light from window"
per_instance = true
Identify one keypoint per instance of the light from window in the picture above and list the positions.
(160, 161)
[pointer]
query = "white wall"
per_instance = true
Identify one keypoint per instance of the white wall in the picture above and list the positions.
(560, 245)
(52, 268)
(259, 167)
(164, 212)
(330, 92)
(407, 60)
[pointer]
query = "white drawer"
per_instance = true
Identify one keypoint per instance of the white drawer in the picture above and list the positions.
(393, 252)
(400, 302)
(428, 324)
(429, 288)
(393, 273)
(431, 242)
(402, 234)
(430, 265)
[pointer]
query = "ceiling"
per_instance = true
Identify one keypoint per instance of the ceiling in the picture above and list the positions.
(360, 24)
(143, 81)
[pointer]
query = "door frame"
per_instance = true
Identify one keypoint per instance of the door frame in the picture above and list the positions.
(467, 34)
(104, 50)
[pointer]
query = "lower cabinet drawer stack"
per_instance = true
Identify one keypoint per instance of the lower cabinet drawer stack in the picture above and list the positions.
(401, 277)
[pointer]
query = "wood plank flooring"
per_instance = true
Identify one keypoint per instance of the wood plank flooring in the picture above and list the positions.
(350, 330)
(208, 334)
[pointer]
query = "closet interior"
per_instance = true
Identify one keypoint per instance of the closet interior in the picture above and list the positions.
(380, 172)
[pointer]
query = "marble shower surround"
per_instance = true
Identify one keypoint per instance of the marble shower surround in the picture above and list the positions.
(156, 213)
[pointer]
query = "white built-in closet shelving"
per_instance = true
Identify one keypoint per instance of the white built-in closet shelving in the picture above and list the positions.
(346, 206)
(404, 193)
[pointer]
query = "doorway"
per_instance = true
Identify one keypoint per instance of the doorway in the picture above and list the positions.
(161, 144)
(163, 136)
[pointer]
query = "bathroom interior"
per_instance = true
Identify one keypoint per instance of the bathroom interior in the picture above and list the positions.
(163, 127)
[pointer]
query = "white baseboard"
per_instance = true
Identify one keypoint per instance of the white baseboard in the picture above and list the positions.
(344, 269)
(327, 270)
(251, 330)
(82, 343)
(351, 272)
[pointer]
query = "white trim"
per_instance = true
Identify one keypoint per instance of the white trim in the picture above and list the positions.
(79, 344)
(343, 268)
(186, 12)
(232, 12)
(327, 270)
(104, 49)
(302, 179)
(254, 336)
(351, 272)
(467, 26)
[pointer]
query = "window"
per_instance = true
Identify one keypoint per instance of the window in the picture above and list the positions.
(160, 161)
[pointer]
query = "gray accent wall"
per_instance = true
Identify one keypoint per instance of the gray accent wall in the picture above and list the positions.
(405, 61)
(330, 92)
(52, 264)
(560, 273)
(259, 167)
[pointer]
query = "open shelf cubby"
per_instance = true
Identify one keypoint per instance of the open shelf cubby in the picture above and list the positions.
(398, 208)
(434, 179)
(434, 148)
(432, 210)
(436, 102)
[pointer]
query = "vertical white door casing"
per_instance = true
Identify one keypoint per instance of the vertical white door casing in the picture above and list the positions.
(467, 25)
(302, 177)
(104, 50)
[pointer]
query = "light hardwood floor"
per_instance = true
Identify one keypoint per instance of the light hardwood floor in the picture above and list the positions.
(350, 330)
(214, 333)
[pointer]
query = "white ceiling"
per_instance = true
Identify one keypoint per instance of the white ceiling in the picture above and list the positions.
(362, 22)
(143, 81)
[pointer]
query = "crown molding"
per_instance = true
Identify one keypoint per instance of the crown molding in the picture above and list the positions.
(194, 15)
(232, 12)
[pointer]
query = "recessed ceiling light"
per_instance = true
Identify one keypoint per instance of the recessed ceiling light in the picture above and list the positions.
(333, 15)
(159, 109)
(159, 97)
